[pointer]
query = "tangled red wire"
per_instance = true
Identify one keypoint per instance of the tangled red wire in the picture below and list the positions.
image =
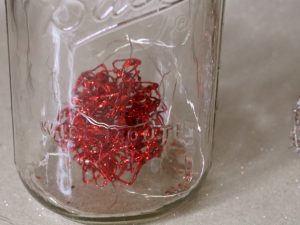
(113, 125)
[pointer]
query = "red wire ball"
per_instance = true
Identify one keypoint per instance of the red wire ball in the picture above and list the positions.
(113, 125)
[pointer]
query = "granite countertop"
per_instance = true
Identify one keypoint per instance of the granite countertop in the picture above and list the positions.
(255, 178)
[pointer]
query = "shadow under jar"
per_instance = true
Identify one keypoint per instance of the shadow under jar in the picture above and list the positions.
(113, 102)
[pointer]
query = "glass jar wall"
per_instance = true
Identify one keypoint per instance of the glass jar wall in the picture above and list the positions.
(113, 102)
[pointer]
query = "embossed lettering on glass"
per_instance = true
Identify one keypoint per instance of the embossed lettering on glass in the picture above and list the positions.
(113, 102)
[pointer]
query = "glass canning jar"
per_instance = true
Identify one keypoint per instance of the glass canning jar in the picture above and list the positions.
(113, 102)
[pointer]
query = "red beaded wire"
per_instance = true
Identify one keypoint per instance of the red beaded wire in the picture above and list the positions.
(114, 124)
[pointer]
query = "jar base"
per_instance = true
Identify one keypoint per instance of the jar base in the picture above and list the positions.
(143, 217)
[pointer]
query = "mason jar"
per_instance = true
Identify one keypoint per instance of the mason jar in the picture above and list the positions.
(113, 102)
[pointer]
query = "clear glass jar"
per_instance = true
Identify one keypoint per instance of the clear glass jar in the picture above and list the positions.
(113, 102)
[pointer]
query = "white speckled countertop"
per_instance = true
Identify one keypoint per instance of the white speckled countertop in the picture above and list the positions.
(255, 178)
